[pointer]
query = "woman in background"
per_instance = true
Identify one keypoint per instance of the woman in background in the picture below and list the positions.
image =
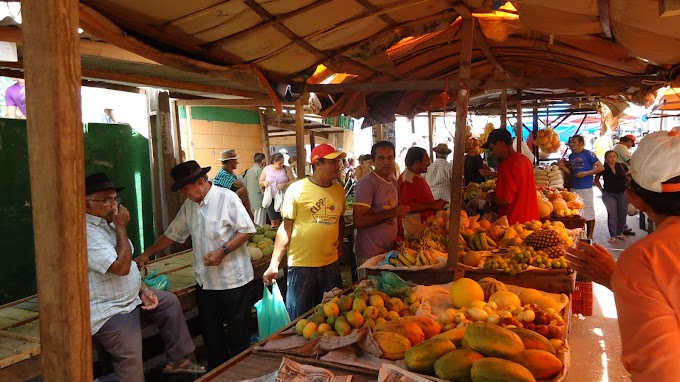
(277, 176)
(613, 194)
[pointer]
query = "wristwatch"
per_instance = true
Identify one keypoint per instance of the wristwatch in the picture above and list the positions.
(225, 249)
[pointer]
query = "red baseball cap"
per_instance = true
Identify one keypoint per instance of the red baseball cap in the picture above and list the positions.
(631, 137)
(326, 151)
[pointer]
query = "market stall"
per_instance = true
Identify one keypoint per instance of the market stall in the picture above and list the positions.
(420, 328)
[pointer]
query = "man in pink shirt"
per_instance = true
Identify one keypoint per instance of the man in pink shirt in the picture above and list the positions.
(646, 278)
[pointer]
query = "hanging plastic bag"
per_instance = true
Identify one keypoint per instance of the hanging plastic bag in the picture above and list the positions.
(391, 284)
(632, 210)
(161, 282)
(271, 312)
(267, 197)
(278, 201)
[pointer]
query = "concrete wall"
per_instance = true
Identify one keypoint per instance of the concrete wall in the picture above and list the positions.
(210, 136)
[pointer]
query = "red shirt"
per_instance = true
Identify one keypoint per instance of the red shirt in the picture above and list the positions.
(516, 184)
(414, 189)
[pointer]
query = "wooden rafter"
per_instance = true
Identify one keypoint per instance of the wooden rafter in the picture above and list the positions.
(523, 83)
(480, 39)
(375, 10)
(605, 20)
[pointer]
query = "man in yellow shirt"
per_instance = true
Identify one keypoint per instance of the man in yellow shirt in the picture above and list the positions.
(313, 226)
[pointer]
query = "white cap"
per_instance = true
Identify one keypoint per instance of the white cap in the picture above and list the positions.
(654, 161)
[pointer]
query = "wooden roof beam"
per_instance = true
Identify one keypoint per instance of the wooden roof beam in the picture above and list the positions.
(605, 19)
(215, 45)
(480, 39)
(522, 83)
(669, 8)
(285, 126)
(264, 102)
(375, 10)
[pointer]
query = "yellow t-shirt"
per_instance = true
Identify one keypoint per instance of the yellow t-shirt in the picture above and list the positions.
(316, 212)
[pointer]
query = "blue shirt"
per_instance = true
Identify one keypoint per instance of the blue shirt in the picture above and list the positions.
(225, 180)
(583, 161)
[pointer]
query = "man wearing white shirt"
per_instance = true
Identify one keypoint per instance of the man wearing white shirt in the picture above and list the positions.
(219, 227)
(438, 175)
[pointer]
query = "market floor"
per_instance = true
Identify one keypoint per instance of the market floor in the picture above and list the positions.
(595, 340)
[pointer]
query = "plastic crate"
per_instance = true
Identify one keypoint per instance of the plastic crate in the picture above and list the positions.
(582, 299)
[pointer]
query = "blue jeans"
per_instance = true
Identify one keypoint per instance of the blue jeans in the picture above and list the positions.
(306, 286)
(617, 211)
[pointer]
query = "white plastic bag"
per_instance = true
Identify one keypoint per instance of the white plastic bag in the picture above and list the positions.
(267, 197)
(632, 211)
(278, 201)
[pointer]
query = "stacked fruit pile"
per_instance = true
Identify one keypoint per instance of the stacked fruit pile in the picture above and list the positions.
(550, 176)
(559, 203)
(547, 140)
(488, 334)
(488, 128)
(262, 243)
(478, 190)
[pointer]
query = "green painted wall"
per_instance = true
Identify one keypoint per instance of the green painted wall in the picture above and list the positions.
(211, 113)
(115, 149)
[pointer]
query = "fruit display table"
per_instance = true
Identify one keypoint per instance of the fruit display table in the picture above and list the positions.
(415, 331)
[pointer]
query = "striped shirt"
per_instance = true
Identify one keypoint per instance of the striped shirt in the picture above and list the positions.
(110, 294)
(224, 179)
(211, 224)
(438, 177)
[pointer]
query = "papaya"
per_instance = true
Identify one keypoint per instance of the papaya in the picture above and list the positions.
(393, 346)
(407, 329)
(492, 340)
(456, 365)
(533, 340)
(429, 326)
(421, 358)
(540, 363)
(493, 369)
(454, 335)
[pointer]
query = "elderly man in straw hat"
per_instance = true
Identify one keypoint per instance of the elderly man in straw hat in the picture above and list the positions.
(219, 228)
(438, 175)
(227, 178)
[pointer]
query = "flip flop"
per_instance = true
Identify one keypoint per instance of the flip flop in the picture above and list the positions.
(621, 237)
(612, 239)
(185, 366)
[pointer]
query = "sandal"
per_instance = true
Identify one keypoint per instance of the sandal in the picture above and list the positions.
(622, 237)
(184, 366)
(612, 239)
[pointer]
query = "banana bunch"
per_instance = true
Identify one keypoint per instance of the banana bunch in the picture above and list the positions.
(488, 128)
(470, 193)
(479, 241)
(409, 257)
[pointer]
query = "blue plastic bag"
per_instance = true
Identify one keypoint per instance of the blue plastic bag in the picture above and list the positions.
(271, 312)
(161, 282)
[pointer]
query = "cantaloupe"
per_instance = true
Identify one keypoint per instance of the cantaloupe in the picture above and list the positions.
(559, 204)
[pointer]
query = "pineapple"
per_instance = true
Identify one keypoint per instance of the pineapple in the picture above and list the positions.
(555, 251)
(543, 238)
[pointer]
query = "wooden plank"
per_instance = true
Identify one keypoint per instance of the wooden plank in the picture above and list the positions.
(518, 125)
(457, 170)
(522, 83)
(265, 136)
(430, 132)
(13, 350)
(28, 329)
(17, 315)
(22, 371)
(669, 8)
(504, 109)
(225, 102)
(55, 137)
(547, 280)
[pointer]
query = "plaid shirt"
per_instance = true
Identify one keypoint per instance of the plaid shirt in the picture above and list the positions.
(212, 224)
(110, 294)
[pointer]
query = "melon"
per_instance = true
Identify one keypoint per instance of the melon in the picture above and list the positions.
(464, 291)
(543, 210)
(559, 204)
(504, 299)
(255, 253)
(490, 286)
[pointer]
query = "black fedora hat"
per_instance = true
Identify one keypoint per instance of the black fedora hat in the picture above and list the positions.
(185, 173)
(99, 182)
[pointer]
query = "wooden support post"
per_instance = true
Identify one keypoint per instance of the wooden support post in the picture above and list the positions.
(300, 137)
(462, 98)
(504, 109)
(177, 135)
(56, 152)
(165, 148)
(379, 132)
(518, 127)
(534, 132)
(265, 136)
(430, 132)
(312, 143)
